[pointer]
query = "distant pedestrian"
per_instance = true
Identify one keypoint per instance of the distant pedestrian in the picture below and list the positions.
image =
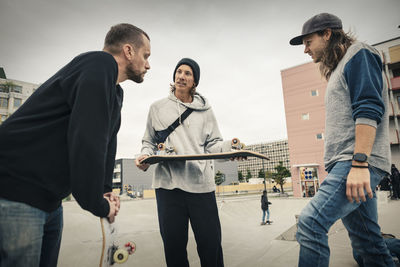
(384, 184)
(275, 189)
(395, 179)
(265, 208)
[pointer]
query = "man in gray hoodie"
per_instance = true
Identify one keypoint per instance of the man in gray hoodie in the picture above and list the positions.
(185, 190)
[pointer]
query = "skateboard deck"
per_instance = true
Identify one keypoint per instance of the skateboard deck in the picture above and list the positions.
(223, 155)
(111, 252)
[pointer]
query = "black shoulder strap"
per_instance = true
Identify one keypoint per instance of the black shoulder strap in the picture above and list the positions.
(161, 136)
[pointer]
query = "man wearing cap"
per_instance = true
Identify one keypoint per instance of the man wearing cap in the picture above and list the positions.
(357, 152)
(185, 190)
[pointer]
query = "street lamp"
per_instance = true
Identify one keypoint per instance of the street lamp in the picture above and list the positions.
(262, 160)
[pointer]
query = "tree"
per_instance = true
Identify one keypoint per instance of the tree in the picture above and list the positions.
(240, 177)
(269, 175)
(219, 178)
(261, 174)
(281, 174)
(248, 176)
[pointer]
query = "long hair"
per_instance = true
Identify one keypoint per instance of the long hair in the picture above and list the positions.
(334, 51)
(192, 90)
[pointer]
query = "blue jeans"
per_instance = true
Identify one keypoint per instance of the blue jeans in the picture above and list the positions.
(263, 216)
(29, 236)
(360, 220)
(393, 245)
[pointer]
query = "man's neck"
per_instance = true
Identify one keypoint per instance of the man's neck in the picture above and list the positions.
(184, 97)
(121, 67)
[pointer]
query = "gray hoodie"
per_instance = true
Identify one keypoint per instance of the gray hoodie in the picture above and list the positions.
(198, 134)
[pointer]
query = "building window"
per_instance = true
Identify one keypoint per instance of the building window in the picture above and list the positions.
(398, 101)
(320, 136)
(3, 102)
(17, 102)
(314, 92)
(4, 88)
(305, 116)
(396, 72)
(16, 89)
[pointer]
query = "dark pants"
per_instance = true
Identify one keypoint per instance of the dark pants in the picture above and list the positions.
(175, 209)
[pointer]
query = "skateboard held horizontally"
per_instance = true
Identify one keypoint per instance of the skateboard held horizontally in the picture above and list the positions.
(111, 253)
(222, 155)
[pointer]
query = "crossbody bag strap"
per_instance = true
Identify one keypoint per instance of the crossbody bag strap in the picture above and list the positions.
(161, 136)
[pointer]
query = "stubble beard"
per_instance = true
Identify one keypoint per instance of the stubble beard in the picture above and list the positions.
(133, 75)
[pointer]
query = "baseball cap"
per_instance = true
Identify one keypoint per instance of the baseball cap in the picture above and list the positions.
(317, 23)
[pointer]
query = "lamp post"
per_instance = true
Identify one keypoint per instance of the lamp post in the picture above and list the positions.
(262, 160)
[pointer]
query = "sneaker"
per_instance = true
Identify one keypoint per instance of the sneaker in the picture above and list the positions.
(262, 223)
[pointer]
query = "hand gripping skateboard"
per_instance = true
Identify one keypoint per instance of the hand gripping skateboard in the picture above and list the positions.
(111, 253)
(237, 151)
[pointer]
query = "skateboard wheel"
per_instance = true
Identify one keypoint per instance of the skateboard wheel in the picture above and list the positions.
(131, 246)
(120, 256)
(235, 142)
(161, 146)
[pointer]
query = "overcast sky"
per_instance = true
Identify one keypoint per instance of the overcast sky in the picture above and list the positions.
(241, 47)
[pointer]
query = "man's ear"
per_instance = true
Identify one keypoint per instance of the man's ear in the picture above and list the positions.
(327, 34)
(128, 51)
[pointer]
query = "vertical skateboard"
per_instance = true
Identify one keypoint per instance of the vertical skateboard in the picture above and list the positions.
(111, 253)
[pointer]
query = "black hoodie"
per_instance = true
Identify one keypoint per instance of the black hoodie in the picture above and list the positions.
(63, 138)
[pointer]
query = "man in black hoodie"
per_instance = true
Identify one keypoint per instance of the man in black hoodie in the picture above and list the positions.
(62, 140)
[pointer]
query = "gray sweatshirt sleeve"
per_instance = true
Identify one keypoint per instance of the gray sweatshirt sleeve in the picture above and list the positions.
(148, 142)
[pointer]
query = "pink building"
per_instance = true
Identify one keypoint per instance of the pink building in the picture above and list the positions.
(304, 93)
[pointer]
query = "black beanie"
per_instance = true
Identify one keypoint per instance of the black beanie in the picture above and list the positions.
(193, 65)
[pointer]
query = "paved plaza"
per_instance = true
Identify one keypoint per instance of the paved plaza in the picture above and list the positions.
(245, 241)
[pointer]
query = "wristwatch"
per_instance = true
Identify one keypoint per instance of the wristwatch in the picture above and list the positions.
(360, 157)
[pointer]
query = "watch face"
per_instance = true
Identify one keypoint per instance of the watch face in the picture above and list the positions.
(360, 157)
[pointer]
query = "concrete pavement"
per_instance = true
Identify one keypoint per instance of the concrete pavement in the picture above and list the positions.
(245, 241)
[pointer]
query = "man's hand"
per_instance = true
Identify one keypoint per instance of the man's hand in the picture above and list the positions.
(113, 201)
(111, 215)
(358, 180)
(140, 165)
(114, 198)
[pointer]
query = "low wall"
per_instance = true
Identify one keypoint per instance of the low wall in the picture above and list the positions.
(233, 189)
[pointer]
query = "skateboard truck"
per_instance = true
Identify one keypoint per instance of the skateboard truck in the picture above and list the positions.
(236, 144)
(111, 252)
(131, 247)
(162, 147)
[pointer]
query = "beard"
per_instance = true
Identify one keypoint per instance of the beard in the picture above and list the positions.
(133, 74)
(318, 55)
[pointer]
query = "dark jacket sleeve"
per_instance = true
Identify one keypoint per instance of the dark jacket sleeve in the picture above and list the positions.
(89, 132)
(363, 74)
(110, 163)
